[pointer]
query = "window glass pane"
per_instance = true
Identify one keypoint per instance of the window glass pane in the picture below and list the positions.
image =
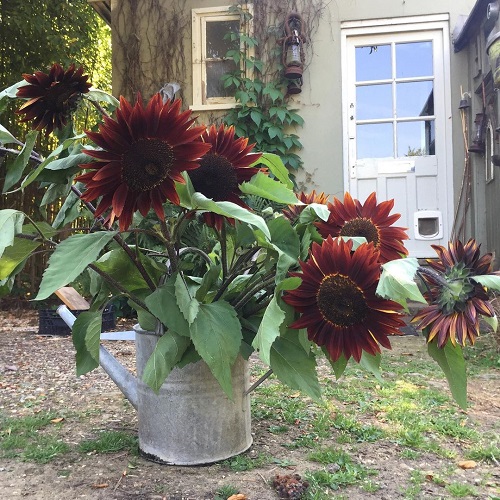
(373, 63)
(414, 99)
(374, 101)
(416, 138)
(217, 45)
(215, 71)
(374, 141)
(414, 59)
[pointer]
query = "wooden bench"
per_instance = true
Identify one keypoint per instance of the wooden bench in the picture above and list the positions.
(73, 301)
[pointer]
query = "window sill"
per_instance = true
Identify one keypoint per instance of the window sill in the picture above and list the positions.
(214, 106)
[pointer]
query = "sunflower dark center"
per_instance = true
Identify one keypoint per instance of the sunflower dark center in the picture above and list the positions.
(146, 164)
(216, 178)
(361, 227)
(341, 301)
(62, 97)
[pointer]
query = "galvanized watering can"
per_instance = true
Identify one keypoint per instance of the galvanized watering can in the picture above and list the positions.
(190, 421)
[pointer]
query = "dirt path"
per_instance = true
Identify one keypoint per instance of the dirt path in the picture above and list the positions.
(37, 375)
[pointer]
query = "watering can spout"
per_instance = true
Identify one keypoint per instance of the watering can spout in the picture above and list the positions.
(124, 379)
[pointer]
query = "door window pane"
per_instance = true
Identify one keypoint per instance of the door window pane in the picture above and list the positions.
(416, 138)
(374, 101)
(414, 99)
(374, 141)
(217, 43)
(414, 59)
(373, 63)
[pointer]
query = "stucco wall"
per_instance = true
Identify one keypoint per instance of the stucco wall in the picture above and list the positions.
(320, 102)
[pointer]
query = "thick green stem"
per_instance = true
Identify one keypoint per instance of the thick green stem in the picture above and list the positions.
(223, 249)
(263, 284)
(170, 246)
(118, 286)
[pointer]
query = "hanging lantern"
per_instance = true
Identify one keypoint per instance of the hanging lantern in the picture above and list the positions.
(293, 52)
(478, 145)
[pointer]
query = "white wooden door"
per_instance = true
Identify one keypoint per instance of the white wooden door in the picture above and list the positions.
(397, 137)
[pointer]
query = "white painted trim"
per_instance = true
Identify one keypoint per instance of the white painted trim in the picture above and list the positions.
(393, 26)
(199, 18)
(391, 22)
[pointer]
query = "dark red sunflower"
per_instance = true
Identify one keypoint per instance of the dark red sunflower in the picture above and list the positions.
(143, 152)
(456, 300)
(293, 212)
(337, 300)
(223, 169)
(52, 97)
(371, 220)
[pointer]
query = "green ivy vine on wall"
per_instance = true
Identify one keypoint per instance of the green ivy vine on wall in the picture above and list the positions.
(263, 114)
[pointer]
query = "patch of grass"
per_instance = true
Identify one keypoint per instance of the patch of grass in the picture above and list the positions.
(460, 490)
(488, 453)
(360, 432)
(342, 471)
(30, 438)
(243, 462)
(370, 486)
(45, 449)
(109, 442)
(413, 490)
(276, 402)
(225, 491)
(409, 454)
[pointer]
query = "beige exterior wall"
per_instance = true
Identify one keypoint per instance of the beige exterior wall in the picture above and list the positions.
(320, 103)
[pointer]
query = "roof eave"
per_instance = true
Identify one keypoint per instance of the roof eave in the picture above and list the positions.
(103, 8)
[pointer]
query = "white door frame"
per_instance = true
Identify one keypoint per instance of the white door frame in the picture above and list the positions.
(373, 27)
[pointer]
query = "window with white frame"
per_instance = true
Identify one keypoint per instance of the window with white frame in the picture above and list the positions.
(211, 42)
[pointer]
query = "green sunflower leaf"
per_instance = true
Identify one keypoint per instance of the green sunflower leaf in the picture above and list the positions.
(397, 282)
(490, 281)
(294, 366)
(264, 186)
(15, 254)
(118, 265)
(11, 223)
(276, 167)
(52, 157)
(168, 351)
(163, 304)
(228, 209)
(6, 137)
(312, 212)
(451, 360)
(70, 209)
(97, 95)
(269, 330)
(216, 335)
(188, 305)
(70, 259)
(286, 242)
(10, 92)
(492, 321)
(371, 363)
(40, 227)
(86, 334)
(338, 366)
(16, 168)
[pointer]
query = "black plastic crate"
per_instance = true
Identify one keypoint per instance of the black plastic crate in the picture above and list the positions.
(50, 323)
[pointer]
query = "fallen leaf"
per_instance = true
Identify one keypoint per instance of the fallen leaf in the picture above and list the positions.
(100, 485)
(238, 496)
(57, 420)
(467, 464)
